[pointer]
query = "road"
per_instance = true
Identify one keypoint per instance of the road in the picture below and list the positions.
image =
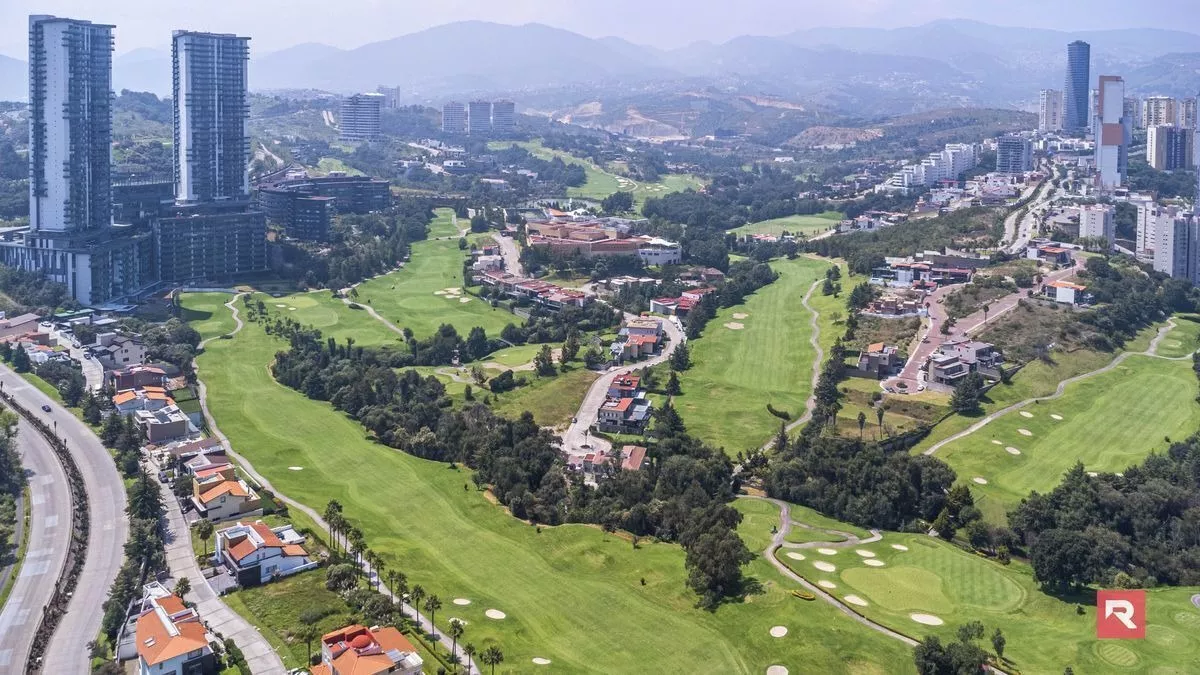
(512, 257)
(109, 528)
(49, 538)
(316, 517)
(576, 439)
(1020, 234)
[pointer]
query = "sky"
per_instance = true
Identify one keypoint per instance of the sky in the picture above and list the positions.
(277, 24)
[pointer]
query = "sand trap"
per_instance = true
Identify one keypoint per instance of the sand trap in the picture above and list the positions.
(777, 670)
(795, 556)
(1056, 418)
(864, 552)
(461, 602)
(1026, 413)
(872, 562)
(734, 325)
(778, 631)
(454, 290)
(439, 292)
(281, 305)
(495, 614)
(740, 315)
(980, 480)
(1024, 432)
(827, 585)
(539, 661)
(1093, 474)
(295, 468)
(827, 551)
(900, 547)
(291, 309)
(1196, 600)
(824, 566)
(1012, 451)
(464, 299)
(855, 600)
(995, 442)
(926, 619)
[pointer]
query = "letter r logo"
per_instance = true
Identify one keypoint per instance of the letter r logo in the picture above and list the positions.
(1120, 615)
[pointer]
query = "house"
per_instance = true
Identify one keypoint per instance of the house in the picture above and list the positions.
(892, 305)
(880, 360)
(633, 457)
(1052, 255)
(218, 494)
(138, 376)
(257, 554)
(358, 650)
(645, 325)
(147, 398)
(18, 325)
(1067, 292)
(701, 275)
(624, 415)
(956, 359)
(171, 637)
(114, 351)
(186, 450)
(164, 424)
(625, 386)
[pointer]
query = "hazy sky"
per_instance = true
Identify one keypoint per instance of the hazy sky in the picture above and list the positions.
(275, 24)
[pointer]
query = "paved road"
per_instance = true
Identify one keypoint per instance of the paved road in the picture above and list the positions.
(109, 528)
(512, 256)
(49, 538)
(576, 438)
(182, 562)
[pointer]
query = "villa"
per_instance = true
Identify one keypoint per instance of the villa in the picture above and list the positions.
(171, 637)
(257, 554)
(358, 650)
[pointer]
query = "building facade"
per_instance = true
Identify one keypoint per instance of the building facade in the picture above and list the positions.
(1050, 110)
(305, 207)
(454, 118)
(1187, 112)
(1014, 155)
(1112, 132)
(360, 117)
(504, 117)
(479, 118)
(210, 243)
(212, 143)
(1096, 223)
(1158, 111)
(1076, 113)
(1169, 148)
(1175, 251)
(1133, 111)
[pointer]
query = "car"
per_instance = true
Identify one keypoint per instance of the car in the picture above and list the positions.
(45, 408)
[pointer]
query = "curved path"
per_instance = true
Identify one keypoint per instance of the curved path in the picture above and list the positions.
(1151, 351)
(814, 338)
(316, 517)
(49, 507)
(849, 538)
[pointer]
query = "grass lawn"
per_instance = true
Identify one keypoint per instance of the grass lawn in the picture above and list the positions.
(207, 314)
(332, 317)
(806, 225)
(328, 165)
(1183, 339)
(1109, 422)
(736, 373)
(553, 401)
(557, 586)
(1045, 634)
(443, 224)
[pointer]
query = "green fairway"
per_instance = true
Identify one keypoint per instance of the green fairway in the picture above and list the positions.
(1109, 422)
(328, 165)
(736, 372)
(806, 225)
(553, 401)
(443, 224)
(572, 594)
(207, 314)
(1045, 634)
(332, 317)
(1183, 339)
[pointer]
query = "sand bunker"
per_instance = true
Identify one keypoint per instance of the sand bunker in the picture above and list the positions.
(864, 552)
(281, 305)
(995, 442)
(291, 309)
(1056, 418)
(827, 585)
(926, 619)
(462, 602)
(295, 468)
(1026, 413)
(900, 547)
(1012, 451)
(1024, 432)
(464, 299)
(777, 670)
(1196, 600)
(495, 614)
(795, 556)
(439, 292)
(855, 600)
(980, 480)
(824, 566)
(740, 315)
(778, 631)
(872, 562)
(1093, 474)
(827, 551)
(539, 661)
(734, 325)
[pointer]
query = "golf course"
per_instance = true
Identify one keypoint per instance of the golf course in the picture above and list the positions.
(805, 225)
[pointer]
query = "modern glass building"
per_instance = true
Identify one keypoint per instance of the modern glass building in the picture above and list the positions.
(1076, 115)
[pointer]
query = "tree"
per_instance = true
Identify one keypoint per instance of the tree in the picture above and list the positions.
(967, 394)
(543, 362)
(469, 650)
(432, 604)
(986, 308)
(617, 202)
(456, 631)
(879, 415)
(673, 388)
(479, 223)
(182, 587)
(998, 642)
(333, 510)
(862, 423)
(680, 359)
(415, 596)
(306, 634)
(477, 343)
(20, 360)
(341, 577)
(714, 562)
(91, 409)
(493, 657)
(204, 530)
(944, 526)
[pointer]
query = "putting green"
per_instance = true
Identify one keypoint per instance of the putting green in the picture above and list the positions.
(207, 314)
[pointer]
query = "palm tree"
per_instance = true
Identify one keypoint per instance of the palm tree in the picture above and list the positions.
(414, 599)
(204, 530)
(862, 422)
(469, 650)
(333, 513)
(306, 634)
(879, 415)
(354, 537)
(493, 657)
(456, 631)
(432, 604)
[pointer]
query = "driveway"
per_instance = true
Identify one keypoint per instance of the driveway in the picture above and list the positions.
(512, 256)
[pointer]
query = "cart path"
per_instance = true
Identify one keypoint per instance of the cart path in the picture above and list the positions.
(814, 338)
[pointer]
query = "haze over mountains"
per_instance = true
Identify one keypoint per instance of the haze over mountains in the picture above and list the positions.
(934, 65)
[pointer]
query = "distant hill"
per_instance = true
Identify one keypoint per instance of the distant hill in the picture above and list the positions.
(14, 79)
(143, 70)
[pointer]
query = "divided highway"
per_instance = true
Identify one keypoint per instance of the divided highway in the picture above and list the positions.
(67, 651)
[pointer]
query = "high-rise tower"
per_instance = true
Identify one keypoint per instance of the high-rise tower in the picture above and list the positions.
(1076, 115)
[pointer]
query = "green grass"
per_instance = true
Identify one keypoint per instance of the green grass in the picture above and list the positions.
(1045, 634)
(332, 317)
(330, 164)
(443, 224)
(1109, 422)
(806, 225)
(553, 401)
(18, 556)
(557, 586)
(803, 514)
(1183, 339)
(207, 314)
(736, 373)
(800, 535)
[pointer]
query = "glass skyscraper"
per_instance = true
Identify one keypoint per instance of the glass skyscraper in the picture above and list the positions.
(1076, 115)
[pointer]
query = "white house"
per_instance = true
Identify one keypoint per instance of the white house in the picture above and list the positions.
(171, 637)
(257, 554)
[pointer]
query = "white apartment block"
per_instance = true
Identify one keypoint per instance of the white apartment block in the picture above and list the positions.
(1050, 110)
(1096, 222)
(1159, 110)
(949, 164)
(1112, 133)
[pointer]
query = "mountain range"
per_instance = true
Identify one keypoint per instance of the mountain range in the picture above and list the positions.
(866, 70)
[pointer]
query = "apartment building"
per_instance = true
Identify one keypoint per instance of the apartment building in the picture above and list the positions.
(1050, 110)
(360, 117)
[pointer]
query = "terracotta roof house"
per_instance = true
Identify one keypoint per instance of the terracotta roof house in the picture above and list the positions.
(1067, 293)
(257, 554)
(358, 650)
(633, 457)
(624, 415)
(218, 494)
(880, 360)
(171, 638)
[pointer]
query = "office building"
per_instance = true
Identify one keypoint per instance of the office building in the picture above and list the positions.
(1133, 111)
(210, 242)
(1076, 114)
(1112, 133)
(212, 143)
(1050, 110)
(1014, 155)
(305, 207)
(454, 118)
(504, 117)
(1158, 111)
(1169, 148)
(360, 117)
(1096, 223)
(479, 118)
(139, 202)
(1187, 112)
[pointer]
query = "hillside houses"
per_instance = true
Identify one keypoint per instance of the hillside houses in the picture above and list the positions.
(637, 338)
(596, 238)
(956, 359)
(537, 291)
(257, 554)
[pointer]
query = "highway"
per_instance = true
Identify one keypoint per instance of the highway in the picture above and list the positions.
(67, 652)
(49, 537)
